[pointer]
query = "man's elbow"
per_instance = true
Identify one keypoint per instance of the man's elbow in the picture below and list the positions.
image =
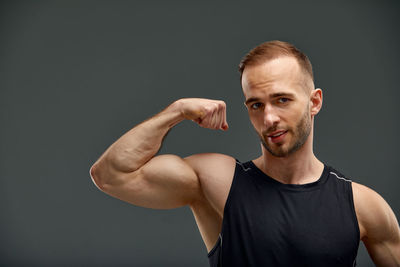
(94, 175)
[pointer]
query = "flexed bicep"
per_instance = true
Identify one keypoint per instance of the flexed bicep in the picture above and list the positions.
(164, 182)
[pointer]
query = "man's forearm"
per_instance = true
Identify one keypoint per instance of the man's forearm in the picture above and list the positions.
(140, 144)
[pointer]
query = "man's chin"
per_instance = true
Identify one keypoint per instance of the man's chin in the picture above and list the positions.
(276, 150)
(278, 153)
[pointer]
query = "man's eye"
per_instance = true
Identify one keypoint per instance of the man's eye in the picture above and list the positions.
(283, 100)
(255, 105)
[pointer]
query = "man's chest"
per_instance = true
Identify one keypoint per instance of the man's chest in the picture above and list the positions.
(301, 225)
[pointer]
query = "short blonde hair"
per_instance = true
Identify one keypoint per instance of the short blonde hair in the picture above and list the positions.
(274, 49)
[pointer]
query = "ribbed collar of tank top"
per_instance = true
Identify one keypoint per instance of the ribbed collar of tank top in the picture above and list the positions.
(256, 172)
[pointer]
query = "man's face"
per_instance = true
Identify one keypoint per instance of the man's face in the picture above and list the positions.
(278, 102)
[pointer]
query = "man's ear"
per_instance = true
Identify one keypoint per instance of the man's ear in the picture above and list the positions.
(315, 101)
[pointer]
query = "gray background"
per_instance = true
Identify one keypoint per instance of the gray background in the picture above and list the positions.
(76, 75)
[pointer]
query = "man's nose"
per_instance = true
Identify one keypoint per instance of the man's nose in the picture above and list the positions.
(271, 118)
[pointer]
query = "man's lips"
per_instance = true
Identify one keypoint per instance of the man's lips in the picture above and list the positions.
(277, 136)
(276, 133)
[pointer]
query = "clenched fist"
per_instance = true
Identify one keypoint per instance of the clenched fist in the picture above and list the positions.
(207, 113)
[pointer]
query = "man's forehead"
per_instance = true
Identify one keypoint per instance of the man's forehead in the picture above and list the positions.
(280, 68)
(283, 73)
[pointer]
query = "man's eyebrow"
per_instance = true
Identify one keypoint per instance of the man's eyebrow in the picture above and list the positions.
(251, 99)
(279, 94)
(274, 95)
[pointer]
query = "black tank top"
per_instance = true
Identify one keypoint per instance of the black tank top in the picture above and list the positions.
(268, 223)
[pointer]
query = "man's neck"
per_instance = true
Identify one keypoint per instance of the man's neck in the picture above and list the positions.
(300, 167)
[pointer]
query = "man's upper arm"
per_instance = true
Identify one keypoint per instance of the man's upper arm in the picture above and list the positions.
(379, 225)
(164, 182)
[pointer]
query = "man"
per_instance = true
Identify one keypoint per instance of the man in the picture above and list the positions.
(284, 208)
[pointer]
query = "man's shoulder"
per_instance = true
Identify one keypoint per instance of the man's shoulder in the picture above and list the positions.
(371, 209)
(364, 195)
(215, 172)
(210, 156)
(209, 163)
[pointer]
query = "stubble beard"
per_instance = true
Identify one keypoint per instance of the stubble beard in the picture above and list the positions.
(300, 135)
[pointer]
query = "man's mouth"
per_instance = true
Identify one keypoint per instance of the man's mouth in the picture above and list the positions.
(277, 136)
(277, 133)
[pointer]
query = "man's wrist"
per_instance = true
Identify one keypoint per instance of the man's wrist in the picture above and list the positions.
(175, 109)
